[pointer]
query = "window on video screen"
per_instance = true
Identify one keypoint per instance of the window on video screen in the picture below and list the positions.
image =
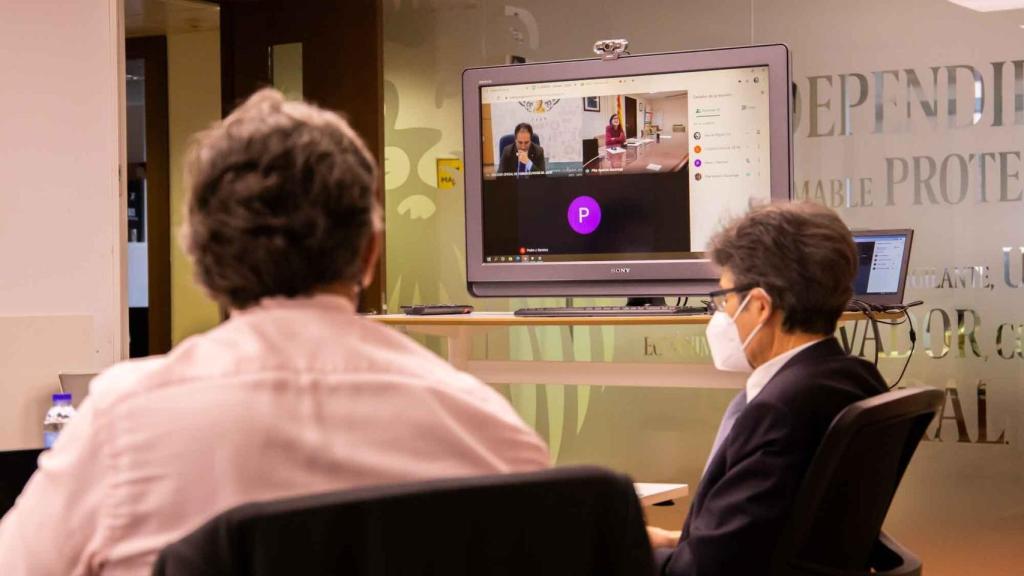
(621, 169)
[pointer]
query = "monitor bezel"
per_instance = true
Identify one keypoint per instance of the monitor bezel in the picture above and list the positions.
(888, 299)
(620, 277)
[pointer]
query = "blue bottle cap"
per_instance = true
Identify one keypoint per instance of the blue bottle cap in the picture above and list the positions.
(62, 397)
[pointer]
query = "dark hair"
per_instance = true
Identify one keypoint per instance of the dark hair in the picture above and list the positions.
(523, 126)
(282, 201)
(801, 254)
(618, 128)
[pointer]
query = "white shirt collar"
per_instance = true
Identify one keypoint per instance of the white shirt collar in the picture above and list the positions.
(765, 372)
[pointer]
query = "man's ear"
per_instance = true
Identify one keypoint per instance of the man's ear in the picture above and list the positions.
(763, 306)
(370, 257)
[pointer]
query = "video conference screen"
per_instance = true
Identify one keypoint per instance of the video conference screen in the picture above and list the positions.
(623, 168)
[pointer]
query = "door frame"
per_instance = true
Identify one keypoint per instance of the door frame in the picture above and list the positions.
(336, 36)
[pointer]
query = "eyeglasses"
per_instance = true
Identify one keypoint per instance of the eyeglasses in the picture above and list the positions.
(717, 298)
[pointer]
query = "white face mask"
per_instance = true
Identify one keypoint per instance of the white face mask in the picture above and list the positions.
(727, 352)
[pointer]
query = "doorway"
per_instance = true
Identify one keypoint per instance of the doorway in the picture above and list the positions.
(148, 196)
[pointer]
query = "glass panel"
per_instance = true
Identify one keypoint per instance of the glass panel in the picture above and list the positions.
(286, 69)
(911, 115)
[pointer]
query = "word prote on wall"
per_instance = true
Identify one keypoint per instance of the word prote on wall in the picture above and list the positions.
(924, 180)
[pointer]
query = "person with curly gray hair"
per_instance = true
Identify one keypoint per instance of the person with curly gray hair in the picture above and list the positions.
(294, 394)
(283, 204)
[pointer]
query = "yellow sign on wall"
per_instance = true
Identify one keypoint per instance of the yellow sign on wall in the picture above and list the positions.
(449, 170)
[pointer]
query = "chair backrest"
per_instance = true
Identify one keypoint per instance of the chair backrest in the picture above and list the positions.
(564, 521)
(16, 467)
(508, 139)
(845, 496)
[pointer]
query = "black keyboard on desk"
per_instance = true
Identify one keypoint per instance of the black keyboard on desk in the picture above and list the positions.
(611, 311)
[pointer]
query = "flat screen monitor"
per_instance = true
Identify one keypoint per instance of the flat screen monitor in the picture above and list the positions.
(883, 259)
(609, 177)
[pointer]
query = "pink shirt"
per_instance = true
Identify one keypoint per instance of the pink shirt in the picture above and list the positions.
(289, 397)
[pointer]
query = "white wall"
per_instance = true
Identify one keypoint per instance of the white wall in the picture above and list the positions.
(558, 127)
(61, 213)
(594, 123)
(669, 111)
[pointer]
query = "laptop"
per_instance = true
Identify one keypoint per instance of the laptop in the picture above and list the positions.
(77, 385)
(17, 466)
(883, 259)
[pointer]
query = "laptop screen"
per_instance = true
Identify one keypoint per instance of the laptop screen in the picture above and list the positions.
(882, 259)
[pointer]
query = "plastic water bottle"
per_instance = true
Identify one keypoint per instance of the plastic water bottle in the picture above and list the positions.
(56, 417)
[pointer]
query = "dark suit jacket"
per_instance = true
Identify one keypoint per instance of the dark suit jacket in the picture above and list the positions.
(509, 160)
(744, 499)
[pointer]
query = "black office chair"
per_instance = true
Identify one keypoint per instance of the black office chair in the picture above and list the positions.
(16, 468)
(835, 529)
(564, 521)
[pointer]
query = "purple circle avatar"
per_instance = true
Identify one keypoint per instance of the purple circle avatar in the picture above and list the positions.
(584, 215)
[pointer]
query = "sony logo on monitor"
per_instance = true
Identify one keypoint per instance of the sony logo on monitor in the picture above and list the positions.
(620, 270)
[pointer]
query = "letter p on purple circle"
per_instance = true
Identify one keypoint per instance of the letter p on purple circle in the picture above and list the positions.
(584, 215)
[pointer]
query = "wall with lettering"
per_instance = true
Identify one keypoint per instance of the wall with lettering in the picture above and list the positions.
(908, 115)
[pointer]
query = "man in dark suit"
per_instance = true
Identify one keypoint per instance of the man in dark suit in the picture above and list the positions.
(522, 156)
(787, 272)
